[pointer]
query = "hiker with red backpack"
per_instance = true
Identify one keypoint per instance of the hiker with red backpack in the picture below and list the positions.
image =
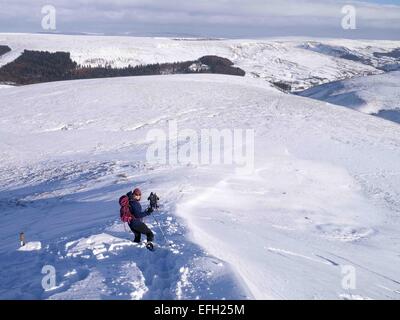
(131, 212)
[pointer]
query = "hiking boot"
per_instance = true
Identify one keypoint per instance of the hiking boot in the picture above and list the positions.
(150, 246)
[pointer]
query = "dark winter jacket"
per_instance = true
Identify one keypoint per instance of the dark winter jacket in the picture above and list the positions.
(136, 208)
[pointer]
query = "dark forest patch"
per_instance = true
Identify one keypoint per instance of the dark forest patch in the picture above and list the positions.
(42, 66)
(4, 49)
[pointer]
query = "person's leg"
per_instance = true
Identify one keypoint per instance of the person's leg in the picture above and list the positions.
(149, 235)
(136, 232)
(143, 228)
(138, 235)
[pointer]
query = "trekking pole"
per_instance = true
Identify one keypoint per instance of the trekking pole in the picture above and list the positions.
(162, 232)
(22, 239)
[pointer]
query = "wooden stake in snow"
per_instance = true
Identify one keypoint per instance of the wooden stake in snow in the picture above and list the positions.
(22, 239)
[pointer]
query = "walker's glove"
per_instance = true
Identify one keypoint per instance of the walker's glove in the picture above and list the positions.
(149, 210)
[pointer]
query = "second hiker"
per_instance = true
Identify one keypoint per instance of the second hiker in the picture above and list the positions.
(153, 198)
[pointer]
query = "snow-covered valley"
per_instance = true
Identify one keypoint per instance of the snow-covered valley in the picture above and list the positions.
(324, 194)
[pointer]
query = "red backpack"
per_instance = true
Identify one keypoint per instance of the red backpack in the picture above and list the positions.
(125, 213)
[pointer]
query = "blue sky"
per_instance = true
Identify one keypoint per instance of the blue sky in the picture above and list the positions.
(376, 19)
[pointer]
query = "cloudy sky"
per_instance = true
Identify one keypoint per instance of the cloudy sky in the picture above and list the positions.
(377, 19)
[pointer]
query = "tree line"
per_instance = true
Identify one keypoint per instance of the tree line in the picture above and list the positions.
(42, 66)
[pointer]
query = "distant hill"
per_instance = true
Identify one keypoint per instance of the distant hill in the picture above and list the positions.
(376, 95)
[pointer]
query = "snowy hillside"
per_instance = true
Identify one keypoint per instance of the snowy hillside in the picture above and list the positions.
(324, 193)
(300, 63)
(377, 95)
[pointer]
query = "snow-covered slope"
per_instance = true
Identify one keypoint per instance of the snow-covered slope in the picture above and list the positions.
(377, 95)
(301, 63)
(325, 193)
